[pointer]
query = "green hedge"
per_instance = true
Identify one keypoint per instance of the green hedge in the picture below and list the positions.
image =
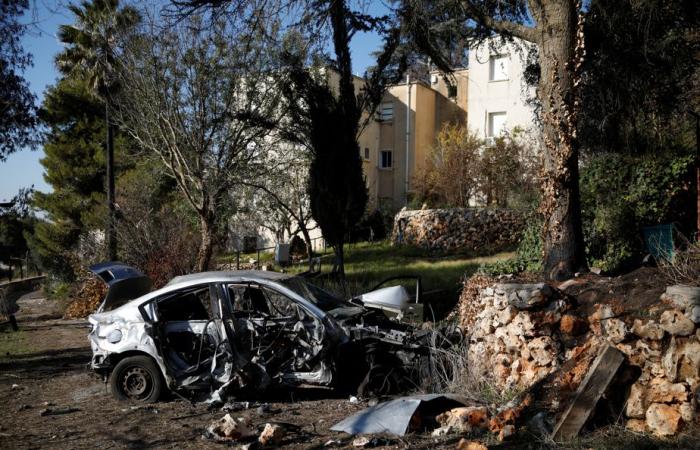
(620, 194)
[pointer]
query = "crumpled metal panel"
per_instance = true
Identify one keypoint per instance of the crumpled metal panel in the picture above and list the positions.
(395, 415)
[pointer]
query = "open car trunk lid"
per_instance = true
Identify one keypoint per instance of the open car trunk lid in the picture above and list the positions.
(125, 283)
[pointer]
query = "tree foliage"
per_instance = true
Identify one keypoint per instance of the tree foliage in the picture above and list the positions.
(325, 106)
(157, 230)
(94, 43)
(198, 96)
(462, 170)
(16, 223)
(17, 109)
(329, 111)
(623, 193)
(640, 74)
(74, 167)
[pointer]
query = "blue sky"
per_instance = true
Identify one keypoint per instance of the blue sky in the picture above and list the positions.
(23, 169)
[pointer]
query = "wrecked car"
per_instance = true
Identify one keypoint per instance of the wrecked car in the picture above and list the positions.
(230, 332)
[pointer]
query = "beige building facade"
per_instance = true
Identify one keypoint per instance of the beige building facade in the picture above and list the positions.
(396, 144)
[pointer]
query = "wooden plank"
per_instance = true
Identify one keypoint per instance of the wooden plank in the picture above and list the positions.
(599, 376)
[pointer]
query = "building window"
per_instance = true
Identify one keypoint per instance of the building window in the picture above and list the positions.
(386, 111)
(497, 123)
(498, 67)
(386, 160)
(367, 153)
(452, 91)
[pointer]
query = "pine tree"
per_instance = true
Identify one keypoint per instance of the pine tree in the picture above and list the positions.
(75, 168)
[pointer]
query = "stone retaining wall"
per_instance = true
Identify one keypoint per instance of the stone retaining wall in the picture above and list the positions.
(524, 333)
(458, 229)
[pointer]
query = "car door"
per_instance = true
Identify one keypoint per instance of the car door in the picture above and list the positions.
(188, 333)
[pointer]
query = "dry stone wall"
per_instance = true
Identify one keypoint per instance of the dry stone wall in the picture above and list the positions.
(458, 229)
(527, 332)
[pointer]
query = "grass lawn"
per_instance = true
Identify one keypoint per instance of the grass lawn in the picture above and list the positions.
(13, 343)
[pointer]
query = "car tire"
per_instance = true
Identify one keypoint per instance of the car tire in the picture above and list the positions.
(136, 378)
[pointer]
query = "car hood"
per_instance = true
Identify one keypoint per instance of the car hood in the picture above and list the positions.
(124, 283)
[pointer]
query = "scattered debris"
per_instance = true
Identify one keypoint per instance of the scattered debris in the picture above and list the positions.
(506, 432)
(229, 429)
(150, 408)
(233, 406)
(464, 419)
(366, 442)
(16, 387)
(354, 400)
(271, 435)
(360, 441)
(57, 411)
(400, 415)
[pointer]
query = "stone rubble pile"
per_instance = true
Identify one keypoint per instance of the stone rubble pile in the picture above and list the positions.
(458, 229)
(512, 339)
(664, 398)
(526, 332)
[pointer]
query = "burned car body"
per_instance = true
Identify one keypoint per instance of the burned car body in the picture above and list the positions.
(226, 332)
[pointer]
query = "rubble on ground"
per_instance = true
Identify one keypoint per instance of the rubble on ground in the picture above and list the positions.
(229, 429)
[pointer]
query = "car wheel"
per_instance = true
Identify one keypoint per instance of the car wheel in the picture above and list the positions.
(136, 378)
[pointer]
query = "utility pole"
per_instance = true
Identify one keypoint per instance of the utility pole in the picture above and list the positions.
(408, 136)
(111, 234)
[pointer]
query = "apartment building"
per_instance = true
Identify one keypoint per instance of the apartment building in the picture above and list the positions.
(396, 144)
(498, 95)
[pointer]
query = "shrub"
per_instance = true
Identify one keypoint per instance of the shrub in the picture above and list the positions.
(528, 255)
(620, 194)
(156, 231)
(461, 168)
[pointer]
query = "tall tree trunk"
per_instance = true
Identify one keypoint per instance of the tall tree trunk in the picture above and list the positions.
(307, 242)
(339, 266)
(563, 244)
(111, 234)
(206, 246)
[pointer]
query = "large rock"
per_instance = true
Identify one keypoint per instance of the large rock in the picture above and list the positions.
(693, 313)
(464, 419)
(684, 297)
(615, 330)
(649, 330)
(573, 325)
(525, 296)
(543, 350)
(664, 420)
(689, 363)
(663, 391)
(636, 404)
(675, 323)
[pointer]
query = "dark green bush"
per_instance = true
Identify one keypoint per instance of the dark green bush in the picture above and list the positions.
(528, 256)
(620, 194)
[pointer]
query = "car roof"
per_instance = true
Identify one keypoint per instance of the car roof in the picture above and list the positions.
(235, 276)
(232, 275)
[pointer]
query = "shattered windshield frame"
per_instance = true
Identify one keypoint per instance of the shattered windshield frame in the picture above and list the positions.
(319, 297)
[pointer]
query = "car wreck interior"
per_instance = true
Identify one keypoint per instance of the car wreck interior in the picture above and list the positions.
(189, 333)
(273, 331)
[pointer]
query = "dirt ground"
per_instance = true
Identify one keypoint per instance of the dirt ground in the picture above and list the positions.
(49, 399)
